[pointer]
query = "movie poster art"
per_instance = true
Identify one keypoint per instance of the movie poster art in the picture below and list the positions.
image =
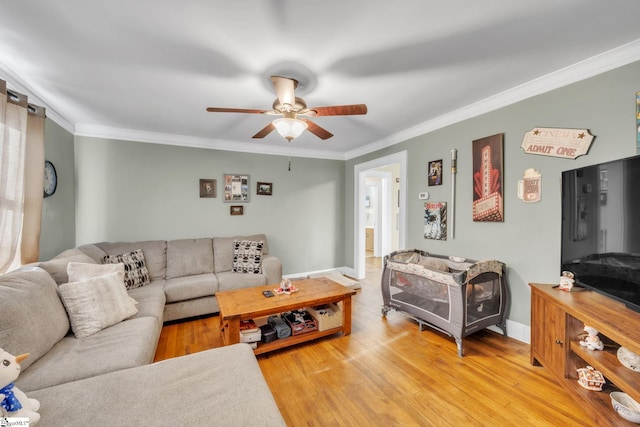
(435, 220)
(435, 172)
(488, 203)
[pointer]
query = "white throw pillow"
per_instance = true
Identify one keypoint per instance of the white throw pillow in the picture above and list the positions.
(96, 303)
(77, 271)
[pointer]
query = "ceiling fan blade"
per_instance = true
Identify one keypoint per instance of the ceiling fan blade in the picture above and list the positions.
(264, 131)
(318, 131)
(339, 110)
(285, 88)
(236, 110)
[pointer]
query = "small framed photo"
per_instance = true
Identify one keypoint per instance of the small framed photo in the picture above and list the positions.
(236, 188)
(435, 172)
(207, 188)
(237, 210)
(265, 188)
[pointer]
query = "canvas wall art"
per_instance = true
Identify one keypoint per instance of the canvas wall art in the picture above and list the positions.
(435, 220)
(488, 166)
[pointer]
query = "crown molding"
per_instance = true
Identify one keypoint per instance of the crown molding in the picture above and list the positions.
(582, 70)
(607, 61)
(19, 85)
(105, 132)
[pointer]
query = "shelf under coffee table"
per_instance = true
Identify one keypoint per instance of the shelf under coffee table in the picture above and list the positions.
(242, 304)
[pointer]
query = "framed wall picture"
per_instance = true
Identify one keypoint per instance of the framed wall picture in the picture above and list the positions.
(237, 210)
(435, 172)
(236, 188)
(488, 166)
(435, 220)
(265, 188)
(207, 188)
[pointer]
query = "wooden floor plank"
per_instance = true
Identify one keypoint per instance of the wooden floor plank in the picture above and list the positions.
(389, 372)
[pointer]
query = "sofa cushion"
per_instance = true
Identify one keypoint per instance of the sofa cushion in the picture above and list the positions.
(124, 345)
(57, 266)
(33, 318)
(155, 254)
(223, 386)
(188, 257)
(93, 251)
(151, 300)
(189, 287)
(223, 250)
(229, 280)
(135, 268)
(247, 256)
(96, 303)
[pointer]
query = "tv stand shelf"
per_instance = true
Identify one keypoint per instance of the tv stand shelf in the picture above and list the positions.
(557, 319)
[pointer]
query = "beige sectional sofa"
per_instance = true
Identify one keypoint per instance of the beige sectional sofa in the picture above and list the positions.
(190, 271)
(108, 378)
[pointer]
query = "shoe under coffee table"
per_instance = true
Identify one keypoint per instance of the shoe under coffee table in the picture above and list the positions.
(249, 303)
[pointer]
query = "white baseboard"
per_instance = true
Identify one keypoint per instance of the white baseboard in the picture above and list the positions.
(515, 330)
(343, 270)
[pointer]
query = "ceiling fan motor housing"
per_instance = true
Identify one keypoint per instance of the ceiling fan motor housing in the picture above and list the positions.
(286, 108)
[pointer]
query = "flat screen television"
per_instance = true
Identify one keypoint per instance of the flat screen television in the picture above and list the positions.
(601, 228)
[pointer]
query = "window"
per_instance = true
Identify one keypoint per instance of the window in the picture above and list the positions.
(21, 178)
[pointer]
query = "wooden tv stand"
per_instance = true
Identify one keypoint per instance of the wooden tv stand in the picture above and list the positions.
(557, 320)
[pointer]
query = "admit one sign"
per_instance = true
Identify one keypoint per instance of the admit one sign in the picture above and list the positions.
(556, 142)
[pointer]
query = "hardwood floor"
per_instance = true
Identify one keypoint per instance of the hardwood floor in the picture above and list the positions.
(388, 372)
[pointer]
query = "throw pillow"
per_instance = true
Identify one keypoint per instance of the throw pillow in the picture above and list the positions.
(247, 256)
(135, 269)
(96, 303)
(77, 271)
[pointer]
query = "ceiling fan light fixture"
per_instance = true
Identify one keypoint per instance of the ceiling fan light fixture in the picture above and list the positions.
(289, 128)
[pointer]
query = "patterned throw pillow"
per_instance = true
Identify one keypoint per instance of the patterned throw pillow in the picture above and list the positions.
(247, 256)
(135, 269)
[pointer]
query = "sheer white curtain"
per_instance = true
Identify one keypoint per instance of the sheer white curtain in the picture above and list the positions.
(21, 179)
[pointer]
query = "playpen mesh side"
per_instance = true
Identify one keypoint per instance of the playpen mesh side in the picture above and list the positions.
(421, 293)
(484, 297)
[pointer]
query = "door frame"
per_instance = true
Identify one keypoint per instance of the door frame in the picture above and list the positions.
(360, 177)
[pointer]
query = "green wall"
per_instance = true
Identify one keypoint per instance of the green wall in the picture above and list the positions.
(528, 241)
(137, 191)
(134, 191)
(58, 213)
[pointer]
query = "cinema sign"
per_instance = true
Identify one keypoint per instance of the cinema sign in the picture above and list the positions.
(555, 142)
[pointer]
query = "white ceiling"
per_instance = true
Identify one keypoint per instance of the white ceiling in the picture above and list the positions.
(145, 70)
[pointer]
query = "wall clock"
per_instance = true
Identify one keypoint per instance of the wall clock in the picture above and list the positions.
(50, 179)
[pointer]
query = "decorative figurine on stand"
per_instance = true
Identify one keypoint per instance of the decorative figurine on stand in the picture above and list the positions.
(566, 281)
(590, 378)
(591, 340)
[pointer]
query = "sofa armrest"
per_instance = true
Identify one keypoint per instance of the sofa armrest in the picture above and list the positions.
(272, 268)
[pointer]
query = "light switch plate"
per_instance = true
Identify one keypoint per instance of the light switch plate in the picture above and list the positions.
(423, 196)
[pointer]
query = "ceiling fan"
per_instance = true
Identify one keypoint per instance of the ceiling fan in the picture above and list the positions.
(290, 107)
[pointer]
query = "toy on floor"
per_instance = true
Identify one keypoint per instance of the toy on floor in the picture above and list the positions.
(591, 340)
(13, 401)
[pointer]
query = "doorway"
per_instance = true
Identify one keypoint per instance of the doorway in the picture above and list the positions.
(379, 207)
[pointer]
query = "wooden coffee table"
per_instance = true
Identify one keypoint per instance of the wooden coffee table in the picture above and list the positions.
(249, 303)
